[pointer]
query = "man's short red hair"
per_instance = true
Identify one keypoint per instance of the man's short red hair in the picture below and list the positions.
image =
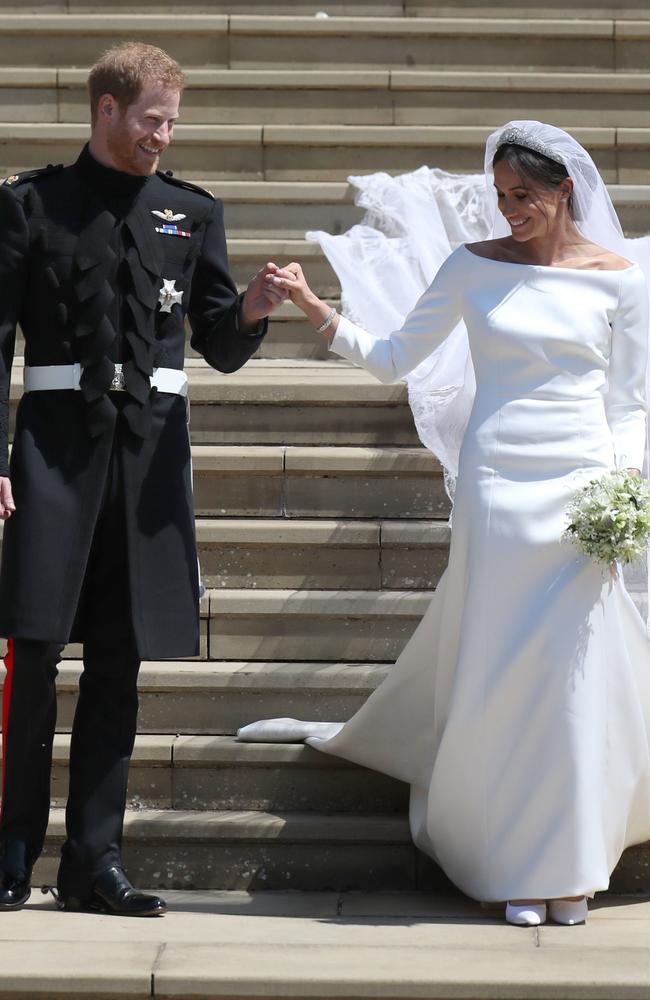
(125, 69)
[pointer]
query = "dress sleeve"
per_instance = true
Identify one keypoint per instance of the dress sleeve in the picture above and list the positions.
(625, 400)
(432, 319)
(14, 241)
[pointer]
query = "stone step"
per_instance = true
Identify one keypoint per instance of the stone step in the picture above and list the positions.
(281, 945)
(257, 209)
(274, 401)
(358, 8)
(292, 336)
(316, 625)
(584, 9)
(358, 626)
(596, 9)
(353, 96)
(219, 773)
(435, 42)
(178, 849)
(321, 152)
(261, 41)
(296, 482)
(322, 554)
(217, 698)
(248, 849)
(280, 483)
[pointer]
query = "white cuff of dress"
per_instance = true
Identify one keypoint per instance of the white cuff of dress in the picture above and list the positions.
(345, 342)
(374, 354)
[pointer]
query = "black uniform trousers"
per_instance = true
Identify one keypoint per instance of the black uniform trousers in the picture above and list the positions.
(105, 721)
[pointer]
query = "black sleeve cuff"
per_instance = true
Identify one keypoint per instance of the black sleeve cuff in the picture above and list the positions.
(261, 328)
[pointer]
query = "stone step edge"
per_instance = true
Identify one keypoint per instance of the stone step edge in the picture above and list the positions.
(162, 750)
(461, 136)
(337, 25)
(236, 602)
(337, 192)
(477, 961)
(361, 79)
(167, 825)
(323, 136)
(335, 533)
(232, 676)
(315, 460)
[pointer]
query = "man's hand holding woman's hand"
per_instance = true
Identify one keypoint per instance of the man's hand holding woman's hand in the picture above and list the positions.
(291, 280)
(262, 297)
(7, 505)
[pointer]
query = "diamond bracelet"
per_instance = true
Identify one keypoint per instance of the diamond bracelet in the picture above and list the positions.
(328, 322)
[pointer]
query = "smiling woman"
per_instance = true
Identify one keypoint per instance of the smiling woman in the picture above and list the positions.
(519, 711)
(524, 179)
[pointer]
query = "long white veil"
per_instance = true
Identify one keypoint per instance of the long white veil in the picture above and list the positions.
(411, 224)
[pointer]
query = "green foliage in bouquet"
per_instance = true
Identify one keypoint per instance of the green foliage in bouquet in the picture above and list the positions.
(609, 518)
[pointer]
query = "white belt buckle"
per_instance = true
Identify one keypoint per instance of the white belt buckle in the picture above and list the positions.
(118, 382)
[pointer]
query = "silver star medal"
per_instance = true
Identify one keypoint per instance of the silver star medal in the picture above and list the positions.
(167, 215)
(169, 296)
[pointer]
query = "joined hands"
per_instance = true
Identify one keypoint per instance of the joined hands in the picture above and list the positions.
(262, 297)
(292, 281)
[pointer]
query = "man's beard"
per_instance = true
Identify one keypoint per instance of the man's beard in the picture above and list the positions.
(125, 155)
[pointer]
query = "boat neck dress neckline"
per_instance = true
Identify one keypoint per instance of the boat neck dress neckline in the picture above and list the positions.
(553, 267)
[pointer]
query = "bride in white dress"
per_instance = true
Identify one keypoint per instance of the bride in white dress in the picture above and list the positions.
(519, 712)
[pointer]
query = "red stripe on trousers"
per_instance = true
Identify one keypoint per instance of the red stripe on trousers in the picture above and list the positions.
(6, 701)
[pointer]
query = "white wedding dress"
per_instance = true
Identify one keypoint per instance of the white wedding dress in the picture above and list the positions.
(519, 712)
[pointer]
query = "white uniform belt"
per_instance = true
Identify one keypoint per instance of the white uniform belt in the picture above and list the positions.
(39, 378)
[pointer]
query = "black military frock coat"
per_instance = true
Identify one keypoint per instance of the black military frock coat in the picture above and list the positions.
(84, 253)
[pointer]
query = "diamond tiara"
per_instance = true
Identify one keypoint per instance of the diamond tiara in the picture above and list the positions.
(519, 137)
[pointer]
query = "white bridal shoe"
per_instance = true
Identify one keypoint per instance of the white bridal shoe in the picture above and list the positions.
(526, 914)
(568, 911)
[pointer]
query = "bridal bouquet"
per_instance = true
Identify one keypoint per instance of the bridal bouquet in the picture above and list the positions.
(609, 518)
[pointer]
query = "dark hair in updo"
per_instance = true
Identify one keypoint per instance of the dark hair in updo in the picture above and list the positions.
(532, 166)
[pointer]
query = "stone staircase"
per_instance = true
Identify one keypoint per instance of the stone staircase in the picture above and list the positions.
(321, 522)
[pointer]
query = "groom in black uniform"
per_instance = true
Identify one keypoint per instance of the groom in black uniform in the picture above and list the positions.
(100, 262)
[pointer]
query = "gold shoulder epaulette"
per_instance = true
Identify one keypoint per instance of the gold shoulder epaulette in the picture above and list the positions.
(30, 175)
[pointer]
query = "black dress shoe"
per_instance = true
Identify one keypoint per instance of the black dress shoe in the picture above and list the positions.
(14, 892)
(15, 875)
(113, 893)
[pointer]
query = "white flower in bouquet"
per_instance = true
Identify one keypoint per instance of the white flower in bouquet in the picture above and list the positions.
(609, 518)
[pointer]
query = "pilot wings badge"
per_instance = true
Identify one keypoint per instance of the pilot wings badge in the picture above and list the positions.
(167, 215)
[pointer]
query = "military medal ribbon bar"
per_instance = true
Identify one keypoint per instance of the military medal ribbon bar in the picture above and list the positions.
(169, 229)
